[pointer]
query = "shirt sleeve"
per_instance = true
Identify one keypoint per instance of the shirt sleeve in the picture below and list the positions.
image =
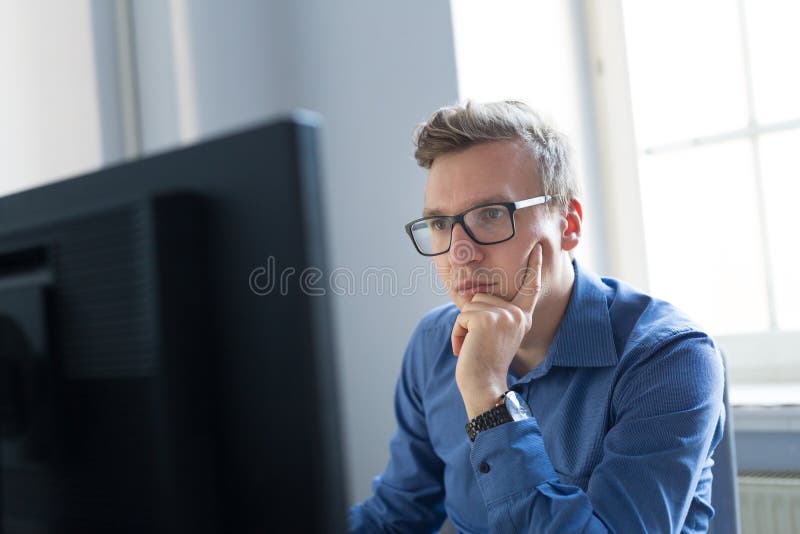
(666, 421)
(409, 495)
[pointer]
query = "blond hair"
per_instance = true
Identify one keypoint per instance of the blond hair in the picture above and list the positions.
(456, 128)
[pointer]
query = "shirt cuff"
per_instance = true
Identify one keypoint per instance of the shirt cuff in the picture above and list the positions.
(510, 458)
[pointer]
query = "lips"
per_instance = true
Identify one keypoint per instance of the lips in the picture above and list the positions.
(470, 287)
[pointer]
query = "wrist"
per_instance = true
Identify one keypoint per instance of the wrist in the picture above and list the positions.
(483, 399)
(513, 409)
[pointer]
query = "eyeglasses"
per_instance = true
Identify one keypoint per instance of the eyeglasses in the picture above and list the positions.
(486, 224)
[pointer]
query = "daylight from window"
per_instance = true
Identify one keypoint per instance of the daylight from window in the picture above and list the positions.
(717, 120)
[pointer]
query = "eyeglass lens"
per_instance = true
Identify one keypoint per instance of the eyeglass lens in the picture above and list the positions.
(488, 224)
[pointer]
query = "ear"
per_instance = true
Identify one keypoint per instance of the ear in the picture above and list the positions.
(571, 222)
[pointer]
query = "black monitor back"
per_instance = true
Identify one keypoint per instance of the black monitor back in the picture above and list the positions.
(165, 366)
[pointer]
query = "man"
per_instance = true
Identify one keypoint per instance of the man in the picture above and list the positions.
(589, 406)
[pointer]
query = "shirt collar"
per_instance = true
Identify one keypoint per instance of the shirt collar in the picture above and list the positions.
(585, 337)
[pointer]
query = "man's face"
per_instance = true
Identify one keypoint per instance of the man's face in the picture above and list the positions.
(500, 171)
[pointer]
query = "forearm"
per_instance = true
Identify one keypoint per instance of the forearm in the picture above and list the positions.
(520, 487)
(643, 487)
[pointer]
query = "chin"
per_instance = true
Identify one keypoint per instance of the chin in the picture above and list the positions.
(462, 298)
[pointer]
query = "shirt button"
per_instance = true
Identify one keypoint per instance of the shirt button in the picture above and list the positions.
(484, 468)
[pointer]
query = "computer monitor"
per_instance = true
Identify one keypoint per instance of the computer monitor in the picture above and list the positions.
(166, 360)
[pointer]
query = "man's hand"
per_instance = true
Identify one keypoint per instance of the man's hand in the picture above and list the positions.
(487, 335)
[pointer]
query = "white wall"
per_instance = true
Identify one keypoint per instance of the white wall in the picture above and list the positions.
(49, 124)
(373, 69)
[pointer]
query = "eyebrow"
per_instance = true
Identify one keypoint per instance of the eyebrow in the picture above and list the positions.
(431, 212)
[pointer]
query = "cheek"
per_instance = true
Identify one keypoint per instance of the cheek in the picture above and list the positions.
(442, 265)
(514, 261)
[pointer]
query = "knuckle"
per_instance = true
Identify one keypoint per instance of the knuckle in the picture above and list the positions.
(518, 316)
(536, 284)
(509, 316)
(490, 318)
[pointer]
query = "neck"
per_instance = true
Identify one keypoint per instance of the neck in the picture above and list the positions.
(547, 315)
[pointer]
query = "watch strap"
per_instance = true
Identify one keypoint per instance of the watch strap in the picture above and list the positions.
(490, 419)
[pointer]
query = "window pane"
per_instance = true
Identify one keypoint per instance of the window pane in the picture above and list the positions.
(781, 172)
(686, 69)
(701, 228)
(774, 42)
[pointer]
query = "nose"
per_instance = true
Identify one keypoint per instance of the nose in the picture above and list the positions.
(463, 250)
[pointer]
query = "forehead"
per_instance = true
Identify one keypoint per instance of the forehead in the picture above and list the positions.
(488, 172)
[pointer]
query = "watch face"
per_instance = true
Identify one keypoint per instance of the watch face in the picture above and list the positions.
(517, 407)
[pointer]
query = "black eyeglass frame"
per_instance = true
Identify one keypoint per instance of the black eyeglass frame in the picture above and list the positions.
(458, 218)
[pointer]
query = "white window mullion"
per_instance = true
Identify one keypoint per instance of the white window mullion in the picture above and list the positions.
(752, 130)
(765, 241)
(761, 208)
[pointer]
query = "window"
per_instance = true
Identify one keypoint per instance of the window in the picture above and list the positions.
(696, 123)
(685, 125)
(715, 120)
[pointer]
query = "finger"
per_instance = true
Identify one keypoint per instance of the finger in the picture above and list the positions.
(457, 337)
(460, 330)
(483, 306)
(528, 293)
(493, 305)
(499, 307)
(488, 298)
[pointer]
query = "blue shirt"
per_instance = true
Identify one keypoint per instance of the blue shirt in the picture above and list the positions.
(627, 409)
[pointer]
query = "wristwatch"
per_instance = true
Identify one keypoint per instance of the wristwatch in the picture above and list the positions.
(512, 407)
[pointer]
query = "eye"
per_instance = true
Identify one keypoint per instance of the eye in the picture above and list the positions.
(438, 225)
(493, 213)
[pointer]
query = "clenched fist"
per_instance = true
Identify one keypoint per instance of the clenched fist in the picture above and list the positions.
(487, 335)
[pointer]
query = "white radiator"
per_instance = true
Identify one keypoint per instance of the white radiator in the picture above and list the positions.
(769, 503)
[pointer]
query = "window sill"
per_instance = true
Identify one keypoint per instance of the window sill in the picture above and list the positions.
(766, 407)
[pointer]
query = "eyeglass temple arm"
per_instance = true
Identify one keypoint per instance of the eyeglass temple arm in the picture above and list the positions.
(532, 201)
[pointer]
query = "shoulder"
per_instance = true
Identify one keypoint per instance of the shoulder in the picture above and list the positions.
(433, 331)
(440, 317)
(660, 345)
(643, 320)
(430, 342)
